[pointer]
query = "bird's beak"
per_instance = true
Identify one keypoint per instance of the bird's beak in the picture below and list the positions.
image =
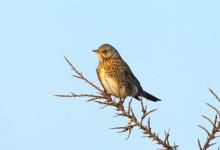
(96, 51)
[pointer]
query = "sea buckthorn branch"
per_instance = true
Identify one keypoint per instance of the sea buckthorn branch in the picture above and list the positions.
(215, 124)
(133, 121)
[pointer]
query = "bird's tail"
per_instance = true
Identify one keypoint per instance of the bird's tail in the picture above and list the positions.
(149, 96)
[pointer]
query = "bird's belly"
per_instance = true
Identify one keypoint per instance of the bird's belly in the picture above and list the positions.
(112, 86)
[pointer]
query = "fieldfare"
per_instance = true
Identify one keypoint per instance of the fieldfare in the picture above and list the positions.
(116, 76)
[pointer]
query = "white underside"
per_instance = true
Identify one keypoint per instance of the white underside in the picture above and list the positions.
(113, 88)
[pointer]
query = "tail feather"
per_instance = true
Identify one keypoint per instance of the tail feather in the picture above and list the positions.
(149, 96)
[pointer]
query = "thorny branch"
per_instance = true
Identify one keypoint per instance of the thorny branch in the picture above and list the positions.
(106, 100)
(215, 123)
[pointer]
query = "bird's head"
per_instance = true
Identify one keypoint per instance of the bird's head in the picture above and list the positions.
(106, 51)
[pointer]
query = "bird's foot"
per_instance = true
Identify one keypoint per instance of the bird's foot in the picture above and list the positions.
(120, 105)
(121, 101)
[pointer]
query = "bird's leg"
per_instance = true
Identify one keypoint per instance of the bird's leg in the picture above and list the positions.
(121, 101)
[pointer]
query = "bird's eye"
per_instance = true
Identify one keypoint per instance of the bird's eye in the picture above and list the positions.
(105, 51)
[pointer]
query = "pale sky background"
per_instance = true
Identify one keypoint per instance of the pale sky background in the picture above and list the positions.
(172, 47)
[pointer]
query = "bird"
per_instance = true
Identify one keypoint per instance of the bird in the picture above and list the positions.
(116, 77)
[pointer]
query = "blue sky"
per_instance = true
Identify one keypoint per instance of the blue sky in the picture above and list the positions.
(172, 47)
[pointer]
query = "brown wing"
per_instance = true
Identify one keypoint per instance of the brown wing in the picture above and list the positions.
(131, 76)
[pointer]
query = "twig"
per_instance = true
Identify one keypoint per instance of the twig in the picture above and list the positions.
(211, 135)
(81, 76)
(215, 95)
(90, 96)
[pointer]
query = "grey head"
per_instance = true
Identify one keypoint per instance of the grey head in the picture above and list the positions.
(107, 51)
